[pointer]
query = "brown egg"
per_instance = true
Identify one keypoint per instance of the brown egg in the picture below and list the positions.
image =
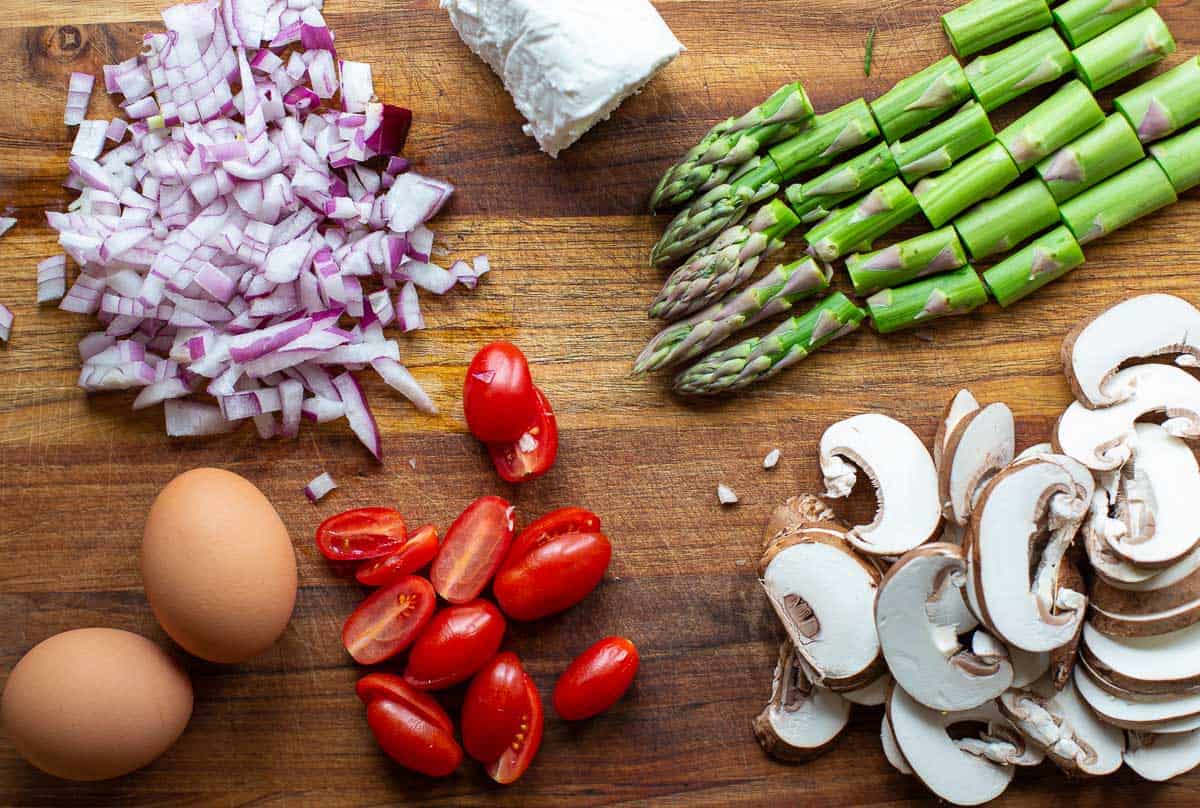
(218, 566)
(95, 703)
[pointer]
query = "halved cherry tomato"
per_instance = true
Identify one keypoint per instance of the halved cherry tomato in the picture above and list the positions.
(419, 550)
(389, 686)
(552, 577)
(509, 767)
(388, 621)
(493, 708)
(596, 680)
(534, 453)
(411, 740)
(361, 534)
(498, 397)
(457, 642)
(555, 523)
(474, 547)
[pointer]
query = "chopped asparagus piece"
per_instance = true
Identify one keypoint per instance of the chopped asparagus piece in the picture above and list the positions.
(926, 254)
(1165, 104)
(982, 23)
(940, 147)
(998, 225)
(760, 358)
(1090, 159)
(1139, 42)
(922, 98)
(858, 224)
(931, 298)
(1081, 21)
(1118, 201)
(1055, 122)
(831, 134)
(813, 200)
(999, 77)
(981, 176)
(1046, 259)
(1179, 158)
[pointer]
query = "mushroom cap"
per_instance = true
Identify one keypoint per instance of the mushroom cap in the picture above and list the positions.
(1060, 723)
(1163, 663)
(1122, 612)
(1131, 711)
(803, 719)
(1162, 757)
(962, 404)
(981, 445)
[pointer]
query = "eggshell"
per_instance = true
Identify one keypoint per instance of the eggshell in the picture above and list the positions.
(95, 703)
(218, 566)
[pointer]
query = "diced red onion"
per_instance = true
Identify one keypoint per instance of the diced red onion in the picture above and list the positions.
(319, 487)
(398, 378)
(89, 139)
(321, 410)
(391, 134)
(409, 317)
(79, 95)
(52, 279)
(358, 87)
(415, 199)
(291, 394)
(190, 419)
(358, 413)
(6, 223)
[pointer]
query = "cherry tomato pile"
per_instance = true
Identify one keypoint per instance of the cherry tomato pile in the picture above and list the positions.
(454, 636)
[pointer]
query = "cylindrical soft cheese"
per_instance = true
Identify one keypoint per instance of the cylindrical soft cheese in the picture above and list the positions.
(567, 63)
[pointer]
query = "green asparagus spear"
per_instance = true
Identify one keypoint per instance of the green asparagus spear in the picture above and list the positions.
(831, 134)
(1055, 122)
(774, 293)
(857, 225)
(982, 23)
(1179, 158)
(731, 143)
(919, 99)
(998, 225)
(725, 264)
(1118, 201)
(1046, 259)
(926, 254)
(760, 358)
(1082, 21)
(1139, 42)
(928, 299)
(1090, 159)
(1165, 104)
(812, 201)
(999, 77)
(981, 176)
(938, 148)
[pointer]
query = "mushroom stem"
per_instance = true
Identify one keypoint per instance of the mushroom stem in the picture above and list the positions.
(922, 301)
(928, 254)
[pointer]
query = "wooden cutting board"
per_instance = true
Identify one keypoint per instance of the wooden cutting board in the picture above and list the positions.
(568, 240)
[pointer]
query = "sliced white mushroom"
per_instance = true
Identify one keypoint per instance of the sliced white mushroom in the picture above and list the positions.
(873, 694)
(1103, 439)
(1182, 570)
(921, 645)
(952, 533)
(1034, 452)
(1159, 664)
(1140, 327)
(980, 446)
(803, 719)
(1099, 531)
(1143, 613)
(890, 750)
(1162, 757)
(1132, 711)
(902, 472)
(1027, 667)
(956, 409)
(1063, 658)
(1061, 724)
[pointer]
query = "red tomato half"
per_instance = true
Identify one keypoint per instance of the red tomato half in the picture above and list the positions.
(552, 577)
(417, 552)
(411, 740)
(498, 397)
(493, 708)
(474, 547)
(534, 453)
(596, 680)
(457, 642)
(391, 687)
(509, 767)
(555, 523)
(389, 620)
(361, 534)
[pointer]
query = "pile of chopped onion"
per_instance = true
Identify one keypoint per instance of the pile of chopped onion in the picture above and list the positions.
(251, 230)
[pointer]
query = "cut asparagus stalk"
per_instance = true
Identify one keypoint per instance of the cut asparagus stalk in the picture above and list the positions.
(928, 299)
(725, 264)
(774, 293)
(1091, 159)
(999, 77)
(1046, 259)
(1118, 201)
(982, 23)
(1055, 122)
(981, 176)
(922, 98)
(731, 143)
(926, 254)
(813, 200)
(1179, 158)
(760, 358)
(857, 225)
(1165, 104)
(1082, 21)
(940, 147)
(1139, 42)
(998, 225)
(831, 134)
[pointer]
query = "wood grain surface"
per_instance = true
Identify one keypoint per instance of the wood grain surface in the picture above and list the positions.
(568, 241)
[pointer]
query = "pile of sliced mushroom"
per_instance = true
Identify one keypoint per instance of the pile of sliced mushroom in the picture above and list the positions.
(962, 608)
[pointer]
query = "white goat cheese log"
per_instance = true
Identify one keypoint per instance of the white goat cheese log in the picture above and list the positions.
(566, 63)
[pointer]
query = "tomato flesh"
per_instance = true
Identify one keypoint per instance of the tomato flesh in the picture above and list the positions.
(389, 620)
(498, 395)
(545, 528)
(414, 554)
(475, 546)
(552, 577)
(361, 534)
(534, 453)
(412, 741)
(515, 760)
(596, 680)
(493, 707)
(456, 643)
